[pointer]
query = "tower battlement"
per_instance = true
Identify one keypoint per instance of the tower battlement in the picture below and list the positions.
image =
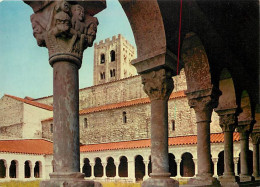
(112, 59)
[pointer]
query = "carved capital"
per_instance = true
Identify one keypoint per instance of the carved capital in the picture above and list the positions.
(66, 29)
(255, 137)
(236, 159)
(158, 85)
(228, 122)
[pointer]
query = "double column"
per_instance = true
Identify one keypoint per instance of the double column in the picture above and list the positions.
(244, 128)
(203, 103)
(255, 136)
(66, 34)
(228, 123)
(158, 85)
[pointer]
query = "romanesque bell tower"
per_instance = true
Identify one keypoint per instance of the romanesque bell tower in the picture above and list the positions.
(112, 60)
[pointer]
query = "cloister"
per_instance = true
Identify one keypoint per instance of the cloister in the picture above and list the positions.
(217, 43)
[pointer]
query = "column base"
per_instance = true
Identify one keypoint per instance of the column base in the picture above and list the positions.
(160, 180)
(245, 178)
(69, 180)
(228, 179)
(204, 180)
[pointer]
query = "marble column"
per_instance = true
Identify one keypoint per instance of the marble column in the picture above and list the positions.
(215, 162)
(255, 136)
(203, 107)
(158, 85)
(7, 170)
(92, 170)
(228, 122)
(66, 34)
(32, 170)
(196, 165)
(244, 130)
(131, 169)
(178, 162)
(236, 165)
(146, 163)
(104, 164)
(117, 169)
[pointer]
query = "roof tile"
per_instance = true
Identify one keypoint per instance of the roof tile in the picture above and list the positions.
(30, 102)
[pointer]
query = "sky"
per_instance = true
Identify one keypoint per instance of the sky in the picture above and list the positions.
(24, 66)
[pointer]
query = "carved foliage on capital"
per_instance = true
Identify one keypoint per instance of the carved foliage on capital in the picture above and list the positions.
(227, 122)
(158, 85)
(64, 28)
(255, 137)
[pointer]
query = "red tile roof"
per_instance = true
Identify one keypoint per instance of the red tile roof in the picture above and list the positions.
(42, 147)
(28, 146)
(30, 102)
(123, 104)
(181, 140)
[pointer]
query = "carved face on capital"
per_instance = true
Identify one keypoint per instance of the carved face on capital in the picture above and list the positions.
(78, 11)
(62, 22)
(91, 33)
(38, 31)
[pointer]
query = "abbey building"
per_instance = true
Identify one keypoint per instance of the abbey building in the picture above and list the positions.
(115, 120)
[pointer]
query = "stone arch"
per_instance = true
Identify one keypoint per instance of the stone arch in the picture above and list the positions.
(220, 164)
(13, 170)
(187, 166)
(27, 169)
(2, 168)
(110, 167)
(139, 168)
(142, 17)
(38, 169)
(196, 64)
(123, 167)
(172, 165)
(87, 168)
(226, 85)
(98, 168)
(245, 105)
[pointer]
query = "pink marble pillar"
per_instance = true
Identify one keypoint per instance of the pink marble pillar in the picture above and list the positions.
(244, 130)
(203, 107)
(228, 122)
(158, 85)
(66, 29)
(255, 136)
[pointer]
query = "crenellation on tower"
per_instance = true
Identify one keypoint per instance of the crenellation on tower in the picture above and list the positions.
(112, 60)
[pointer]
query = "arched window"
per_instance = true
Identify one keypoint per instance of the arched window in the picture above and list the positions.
(112, 73)
(124, 117)
(173, 125)
(102, 59)
(102, 75)
(51, 128)
(113, 55)
(85, 122)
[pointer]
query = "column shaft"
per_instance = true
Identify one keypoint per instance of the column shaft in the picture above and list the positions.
(66, 117)
(228, 153)
(203, 148)
(255, 160)
(244, 144)
(159, 137)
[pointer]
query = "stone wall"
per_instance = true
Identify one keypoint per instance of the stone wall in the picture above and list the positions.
(11, 111)
(32, 121)
(46, 130)
(11, 131)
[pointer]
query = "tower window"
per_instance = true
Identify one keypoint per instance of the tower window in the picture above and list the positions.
(102, 59)
(173, 125)
(51, 128)
(85, 122)
(102, 75)
(112, 73)
(124, 117)
(113, 55)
